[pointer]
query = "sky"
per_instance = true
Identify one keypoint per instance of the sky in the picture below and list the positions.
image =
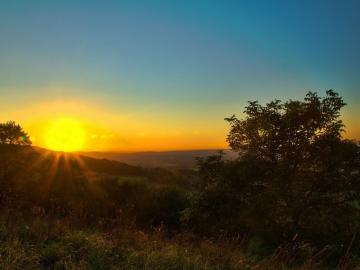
(163, 75)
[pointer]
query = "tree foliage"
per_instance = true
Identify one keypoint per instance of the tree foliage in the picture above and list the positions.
(295, 174)
(282, 132)
(12, 133)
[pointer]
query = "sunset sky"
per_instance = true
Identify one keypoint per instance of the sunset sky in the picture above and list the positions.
(162, 75)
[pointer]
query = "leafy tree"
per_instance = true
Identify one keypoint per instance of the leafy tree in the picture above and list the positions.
(285, 132)
(12, 133)
(295, 175)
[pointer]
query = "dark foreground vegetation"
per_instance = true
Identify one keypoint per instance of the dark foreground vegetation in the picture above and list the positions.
(289, 201)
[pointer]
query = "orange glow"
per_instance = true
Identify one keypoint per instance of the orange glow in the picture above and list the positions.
(98, 127)
(105, 129)
(65, 134)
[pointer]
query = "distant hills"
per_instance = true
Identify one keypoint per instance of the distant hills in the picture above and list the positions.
(172, 160)
(36, 162)
(141, 164)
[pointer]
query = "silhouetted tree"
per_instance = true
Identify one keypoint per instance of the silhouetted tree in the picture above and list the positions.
(295, 175)
(12, 133)
(284, 133)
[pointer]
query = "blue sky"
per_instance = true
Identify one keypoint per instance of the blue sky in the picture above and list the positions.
(181, 60)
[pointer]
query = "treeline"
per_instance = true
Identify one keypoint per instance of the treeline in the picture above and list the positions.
(294, 187)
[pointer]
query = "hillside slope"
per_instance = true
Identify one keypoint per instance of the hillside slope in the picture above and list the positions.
(171, 160)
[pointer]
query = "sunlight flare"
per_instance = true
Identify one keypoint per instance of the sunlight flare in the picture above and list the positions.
(65, 134)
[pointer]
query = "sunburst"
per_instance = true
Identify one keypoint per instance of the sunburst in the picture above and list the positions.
(65, 134)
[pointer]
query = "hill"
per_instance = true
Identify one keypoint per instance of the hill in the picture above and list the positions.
(35, 158)
(69, 211)
(172, 160)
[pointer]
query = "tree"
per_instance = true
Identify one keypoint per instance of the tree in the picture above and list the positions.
(295, 174)
(284, 132)
(12, 133)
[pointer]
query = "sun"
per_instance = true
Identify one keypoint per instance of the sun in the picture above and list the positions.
(65, 134)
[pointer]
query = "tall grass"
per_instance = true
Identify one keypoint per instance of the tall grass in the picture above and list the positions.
(44, 244)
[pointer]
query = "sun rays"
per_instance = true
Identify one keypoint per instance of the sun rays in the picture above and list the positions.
(56, 168)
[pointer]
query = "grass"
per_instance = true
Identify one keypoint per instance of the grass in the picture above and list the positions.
(41, 244)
